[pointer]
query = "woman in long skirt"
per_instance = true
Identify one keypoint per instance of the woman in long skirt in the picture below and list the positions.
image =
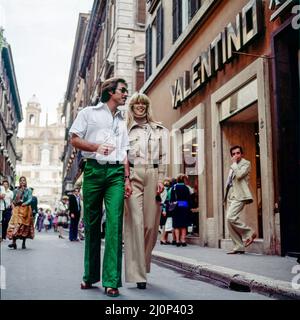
(21, 223)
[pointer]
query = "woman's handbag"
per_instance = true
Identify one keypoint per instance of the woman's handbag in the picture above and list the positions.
(169, 224)
(173, 205)
(65, 221)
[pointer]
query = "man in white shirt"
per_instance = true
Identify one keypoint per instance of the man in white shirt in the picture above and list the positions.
(100, 133)
(6, 197)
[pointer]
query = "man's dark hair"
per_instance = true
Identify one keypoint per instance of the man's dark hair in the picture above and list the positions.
(5, 180)
(236, 147)
(110, 85)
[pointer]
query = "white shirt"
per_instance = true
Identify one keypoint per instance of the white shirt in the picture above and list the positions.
(96, 124)
(8, 198)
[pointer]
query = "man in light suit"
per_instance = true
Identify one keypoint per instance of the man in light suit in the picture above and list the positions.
(238, 195)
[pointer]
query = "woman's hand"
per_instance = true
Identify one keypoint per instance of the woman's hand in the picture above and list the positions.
(128, 189)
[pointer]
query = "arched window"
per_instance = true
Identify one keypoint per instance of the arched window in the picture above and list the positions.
(32, 119)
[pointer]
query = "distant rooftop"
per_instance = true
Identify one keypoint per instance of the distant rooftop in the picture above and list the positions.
(34, 100)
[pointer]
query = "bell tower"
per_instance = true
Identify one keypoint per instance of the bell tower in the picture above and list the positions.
(33, 112)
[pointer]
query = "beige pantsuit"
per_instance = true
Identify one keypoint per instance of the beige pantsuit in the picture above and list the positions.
(239, 195)
(142, 218)
(142, 212)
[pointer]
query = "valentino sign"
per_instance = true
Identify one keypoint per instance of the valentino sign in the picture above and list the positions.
(234, 37)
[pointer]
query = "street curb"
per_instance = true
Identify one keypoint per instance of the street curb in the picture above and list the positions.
(256, 283)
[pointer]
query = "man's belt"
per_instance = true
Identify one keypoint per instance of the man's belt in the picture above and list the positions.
(155, 165)
(105, 162)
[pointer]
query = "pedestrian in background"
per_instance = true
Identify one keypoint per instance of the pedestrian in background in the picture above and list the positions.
(181, 195)
(166, 215)
(6, 198)
(34, 204)
(237, 195)
(40, 219)
(62, 213)
(100, 132)
(147, 158)
(74, 213)
(21, 222)
(55, 219)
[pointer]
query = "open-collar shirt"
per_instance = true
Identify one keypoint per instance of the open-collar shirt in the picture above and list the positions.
(6, 202)
(96, 124)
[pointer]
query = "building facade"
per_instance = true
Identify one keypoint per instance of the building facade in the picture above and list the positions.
(111, 44)
(218, 73)
(41, 148)
(10, 113)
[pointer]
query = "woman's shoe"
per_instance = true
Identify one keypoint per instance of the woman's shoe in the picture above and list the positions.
(12, 245)
(178, 244)
(183, 244)
(112, 292)
(165, 242)
(141, 285)
(173, 242)
(23, 246)
(60, 237)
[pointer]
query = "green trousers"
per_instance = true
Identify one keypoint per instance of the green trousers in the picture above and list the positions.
(103, 181)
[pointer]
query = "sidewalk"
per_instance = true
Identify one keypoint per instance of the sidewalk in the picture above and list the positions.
(268, 275)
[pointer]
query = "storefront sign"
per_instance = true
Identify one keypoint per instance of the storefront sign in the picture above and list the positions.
(234, 37)
(279, 6)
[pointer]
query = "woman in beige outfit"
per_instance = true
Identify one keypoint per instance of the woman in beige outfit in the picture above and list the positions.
(147, 158)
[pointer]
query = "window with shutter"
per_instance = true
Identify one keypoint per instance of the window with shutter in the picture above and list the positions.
(148, 52)
(141, 11)
(194, 6)
(177, 19)
(159, 35)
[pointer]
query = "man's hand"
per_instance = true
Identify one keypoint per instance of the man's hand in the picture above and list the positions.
(234, 159)
(72, 215)
(128, 189)
(106, 149)
(160, 188)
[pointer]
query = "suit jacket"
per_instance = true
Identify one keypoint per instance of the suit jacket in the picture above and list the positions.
(34, 205)
(73, 206)
(240, 190)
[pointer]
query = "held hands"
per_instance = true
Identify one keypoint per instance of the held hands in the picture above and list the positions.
(105, 149)
(128, 189)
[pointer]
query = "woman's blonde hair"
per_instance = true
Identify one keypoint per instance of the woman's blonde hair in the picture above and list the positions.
(139, 98)
(180, 177)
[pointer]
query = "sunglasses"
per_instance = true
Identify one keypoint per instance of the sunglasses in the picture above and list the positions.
(123, 90)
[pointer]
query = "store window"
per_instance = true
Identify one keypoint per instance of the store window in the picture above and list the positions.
(189, 166)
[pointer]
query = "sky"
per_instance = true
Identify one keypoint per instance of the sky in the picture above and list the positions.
(41, 34)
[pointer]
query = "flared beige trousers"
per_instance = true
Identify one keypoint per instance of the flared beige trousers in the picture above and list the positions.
(141, 223)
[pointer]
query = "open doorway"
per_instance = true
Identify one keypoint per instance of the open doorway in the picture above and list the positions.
(243, 129)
